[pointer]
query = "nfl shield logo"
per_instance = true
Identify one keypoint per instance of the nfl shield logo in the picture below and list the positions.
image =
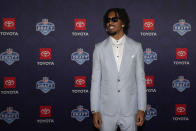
(150, 112)
(80, 56)
(9, 115)
(149, 56)
(45, 27)
(9, 56)
(181, 84)
(45, 85)
(182, 27)
(80, 113)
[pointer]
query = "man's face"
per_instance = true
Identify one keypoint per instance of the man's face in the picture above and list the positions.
(114, 27)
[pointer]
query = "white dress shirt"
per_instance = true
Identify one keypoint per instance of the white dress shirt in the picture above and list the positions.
(117, 46)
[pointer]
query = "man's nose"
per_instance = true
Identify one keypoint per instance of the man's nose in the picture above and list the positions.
(110, 22)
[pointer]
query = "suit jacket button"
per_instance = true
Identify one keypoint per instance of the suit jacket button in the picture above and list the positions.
(118, 90)
(118, 80)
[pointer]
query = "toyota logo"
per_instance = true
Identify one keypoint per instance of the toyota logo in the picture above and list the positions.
(45, 53)
(45, 111)
(9, 23)
(148, 24)
(9, 82)
(80, 82)
(181, 53)
(80, 24)
(149, 81)
(180, 109)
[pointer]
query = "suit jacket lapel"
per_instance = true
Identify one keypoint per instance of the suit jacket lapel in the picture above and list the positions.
(110, 53)
(125, 55)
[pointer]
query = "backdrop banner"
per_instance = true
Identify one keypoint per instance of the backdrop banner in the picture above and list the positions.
(46, 49)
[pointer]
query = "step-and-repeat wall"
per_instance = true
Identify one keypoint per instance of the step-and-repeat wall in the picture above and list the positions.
(46, 51)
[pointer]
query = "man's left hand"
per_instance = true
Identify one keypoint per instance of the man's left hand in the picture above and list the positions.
(140, 117)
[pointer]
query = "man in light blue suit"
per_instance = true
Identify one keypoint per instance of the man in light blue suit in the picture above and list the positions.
(118, 87)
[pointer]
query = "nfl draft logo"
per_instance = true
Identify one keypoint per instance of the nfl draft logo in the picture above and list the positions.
(181, 27)
(181, 84)
(80, 113)
(45, 27)
(150, 112)
(45, 85)
(9, 115)
(9, 56)
(80, 56)
(149, 56)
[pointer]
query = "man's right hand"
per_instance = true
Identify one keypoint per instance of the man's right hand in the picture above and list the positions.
(97, 120)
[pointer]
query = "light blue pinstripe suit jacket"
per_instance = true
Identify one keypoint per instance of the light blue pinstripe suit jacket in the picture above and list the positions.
(114, 92)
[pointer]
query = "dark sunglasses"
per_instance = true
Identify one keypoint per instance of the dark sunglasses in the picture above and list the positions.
(113, 19)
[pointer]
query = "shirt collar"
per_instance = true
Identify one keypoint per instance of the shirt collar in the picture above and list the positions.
(118, 42)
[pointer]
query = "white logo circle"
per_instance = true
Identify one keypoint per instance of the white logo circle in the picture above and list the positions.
(181, 53)
(9, 23)
(80, 81)
(45, 111)
(148, 24)
(45, 53)
(9, 82)
(180, 109)
(80, 24)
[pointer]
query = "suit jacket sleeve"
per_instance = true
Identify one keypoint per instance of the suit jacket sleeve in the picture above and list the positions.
(95, 81)
(141, 81)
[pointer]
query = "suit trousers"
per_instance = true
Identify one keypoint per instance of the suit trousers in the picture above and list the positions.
(125, 123)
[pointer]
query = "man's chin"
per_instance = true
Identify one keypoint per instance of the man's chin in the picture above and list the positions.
(111, 33)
